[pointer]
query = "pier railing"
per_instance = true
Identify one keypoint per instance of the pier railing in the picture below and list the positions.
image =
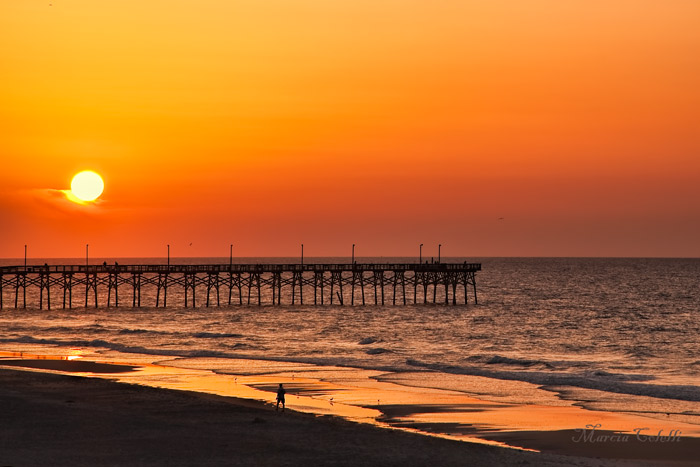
(244, 268)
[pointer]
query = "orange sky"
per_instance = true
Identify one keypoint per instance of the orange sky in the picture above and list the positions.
(385, 123)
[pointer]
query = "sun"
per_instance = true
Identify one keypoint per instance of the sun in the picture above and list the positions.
(87, 185)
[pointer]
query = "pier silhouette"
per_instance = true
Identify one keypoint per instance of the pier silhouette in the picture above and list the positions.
(243, 283)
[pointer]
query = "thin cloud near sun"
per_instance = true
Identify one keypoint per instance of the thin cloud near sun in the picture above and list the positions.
(68, 195)
(83, 195)
(65, 200)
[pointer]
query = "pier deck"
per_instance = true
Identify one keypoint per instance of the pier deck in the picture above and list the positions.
(242, 283)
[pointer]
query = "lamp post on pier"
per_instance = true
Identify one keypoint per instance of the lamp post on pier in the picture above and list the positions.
(352, 261)
(230, 257)
(25, 257)
(420, 254)
(87, 251)
(168, 255)
(302, 254)
(439, 247)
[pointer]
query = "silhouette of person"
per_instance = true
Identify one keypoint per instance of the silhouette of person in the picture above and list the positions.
(280, 397)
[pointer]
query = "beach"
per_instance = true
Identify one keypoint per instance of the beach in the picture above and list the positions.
(60, 420)
(57, 419)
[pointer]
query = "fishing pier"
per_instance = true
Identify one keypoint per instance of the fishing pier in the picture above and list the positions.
(237, 284)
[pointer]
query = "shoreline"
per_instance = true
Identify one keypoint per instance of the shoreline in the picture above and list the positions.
(550, 441)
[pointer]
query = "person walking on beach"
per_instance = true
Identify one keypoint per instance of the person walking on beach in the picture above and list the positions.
(280, 397)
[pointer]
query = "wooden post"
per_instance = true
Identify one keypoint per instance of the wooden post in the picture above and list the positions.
(435, 281)
(258, 283)
(21, 281)
(250, 285)
(87, 284)
(279, 290)
(447, 293)
(68, 288)
(340, 288)
(218, 303)
(44, 283)
(90, 283)
(298, 276)
(381, 284)
(209, 286)
(41, 291)
(473, 276)
(332, 284)
(190, 281)
(113, 283)
(318, 283)
(352, 281)
(362, 286)
(357, 276)
(239, 285)
(403, 286)
(337, 276)
(213, 282)
(136, 282)
(274, 287)
(116, 287)
(415, 286)
(231, 284)
(162, 284)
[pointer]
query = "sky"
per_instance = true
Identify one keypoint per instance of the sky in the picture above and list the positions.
(493, 128)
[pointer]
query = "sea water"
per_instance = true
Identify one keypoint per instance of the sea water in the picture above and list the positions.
(609, 334)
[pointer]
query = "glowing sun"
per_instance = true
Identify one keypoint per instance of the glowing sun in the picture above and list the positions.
(87, 186)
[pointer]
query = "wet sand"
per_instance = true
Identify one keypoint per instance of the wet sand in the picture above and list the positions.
(72, 366)
(53, 419)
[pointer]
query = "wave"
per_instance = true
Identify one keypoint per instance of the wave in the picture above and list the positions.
(368, 340)
(141, 331)
(640, 353)
(498, 359)
(377, 351)
(99, 343)
(215, 335)
(501, 360)
(617, 383)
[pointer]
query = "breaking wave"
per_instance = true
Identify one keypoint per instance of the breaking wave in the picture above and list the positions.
(618, 383)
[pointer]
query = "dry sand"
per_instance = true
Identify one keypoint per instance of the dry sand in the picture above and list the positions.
(52, 419)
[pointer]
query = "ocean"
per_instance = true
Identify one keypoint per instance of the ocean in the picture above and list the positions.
(609, 334)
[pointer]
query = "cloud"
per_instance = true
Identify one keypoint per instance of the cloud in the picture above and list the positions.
(71, 197)
(62, 202)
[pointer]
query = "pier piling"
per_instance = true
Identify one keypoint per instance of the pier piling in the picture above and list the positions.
(452, 283)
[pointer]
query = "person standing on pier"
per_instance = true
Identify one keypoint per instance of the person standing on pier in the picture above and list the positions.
(280, 397)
